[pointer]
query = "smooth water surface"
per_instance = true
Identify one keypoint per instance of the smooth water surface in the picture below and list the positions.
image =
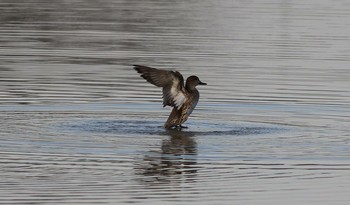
(79, 126)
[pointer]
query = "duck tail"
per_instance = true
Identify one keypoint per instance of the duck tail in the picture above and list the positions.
(172, 119)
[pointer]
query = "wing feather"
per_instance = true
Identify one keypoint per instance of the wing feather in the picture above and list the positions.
(172, 82)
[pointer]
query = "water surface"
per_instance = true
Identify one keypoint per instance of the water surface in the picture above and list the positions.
(78, 125)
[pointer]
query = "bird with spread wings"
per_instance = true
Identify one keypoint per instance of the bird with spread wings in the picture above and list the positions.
(182, 97)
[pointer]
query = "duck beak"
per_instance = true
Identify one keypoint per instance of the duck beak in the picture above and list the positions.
(201, 83)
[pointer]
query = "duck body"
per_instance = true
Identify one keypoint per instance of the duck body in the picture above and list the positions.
(182, 97)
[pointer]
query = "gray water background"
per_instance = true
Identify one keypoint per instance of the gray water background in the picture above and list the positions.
(78, 125)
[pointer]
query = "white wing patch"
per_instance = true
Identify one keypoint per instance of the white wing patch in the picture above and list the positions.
(174, 95)
(179, 99)
(177, 96)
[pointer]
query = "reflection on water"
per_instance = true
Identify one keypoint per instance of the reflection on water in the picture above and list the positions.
(78, 125)
(175, 160)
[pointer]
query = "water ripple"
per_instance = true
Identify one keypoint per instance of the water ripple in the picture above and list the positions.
(78, 124)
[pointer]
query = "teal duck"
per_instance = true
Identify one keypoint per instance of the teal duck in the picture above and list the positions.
(182, 97)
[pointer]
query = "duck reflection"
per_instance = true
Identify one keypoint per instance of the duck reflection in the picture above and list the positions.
(175, 162)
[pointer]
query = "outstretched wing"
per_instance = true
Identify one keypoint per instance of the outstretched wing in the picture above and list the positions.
(172, 83)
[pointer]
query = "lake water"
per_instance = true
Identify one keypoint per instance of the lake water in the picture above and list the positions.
(79, 126)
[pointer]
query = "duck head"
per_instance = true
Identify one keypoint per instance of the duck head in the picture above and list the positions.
(193, 81)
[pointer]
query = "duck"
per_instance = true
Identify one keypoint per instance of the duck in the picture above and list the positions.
(183, 97)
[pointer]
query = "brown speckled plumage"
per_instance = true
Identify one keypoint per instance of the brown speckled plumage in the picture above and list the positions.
(183, 98)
